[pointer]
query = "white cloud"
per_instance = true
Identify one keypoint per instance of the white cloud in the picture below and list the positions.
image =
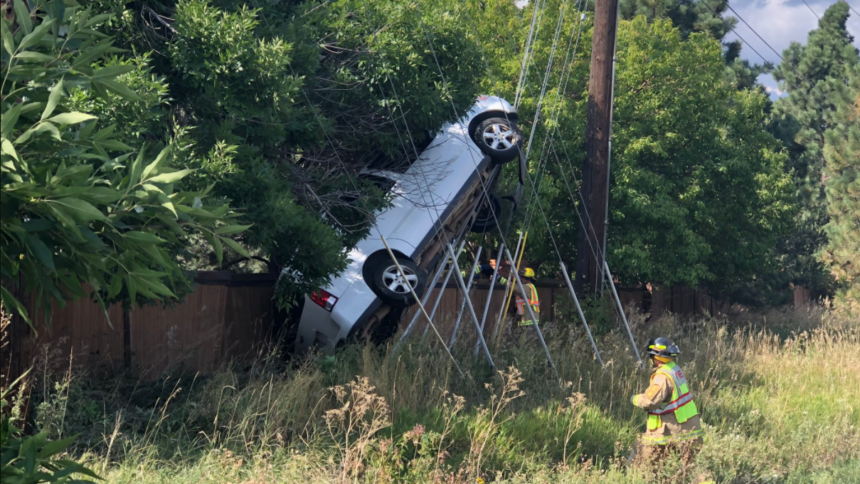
(773, 91)
(779, 22)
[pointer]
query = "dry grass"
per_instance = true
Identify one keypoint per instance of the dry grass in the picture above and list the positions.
(779, 395)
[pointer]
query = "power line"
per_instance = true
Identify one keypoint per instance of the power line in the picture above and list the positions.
(765, 42)
(813, 11)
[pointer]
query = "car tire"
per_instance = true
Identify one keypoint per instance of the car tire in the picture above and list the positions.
(499, 138)
(485, 220)
(390, 287)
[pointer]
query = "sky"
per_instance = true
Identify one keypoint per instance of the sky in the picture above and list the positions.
(780, 22)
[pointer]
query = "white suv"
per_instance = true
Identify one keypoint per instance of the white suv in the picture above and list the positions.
(430, 203)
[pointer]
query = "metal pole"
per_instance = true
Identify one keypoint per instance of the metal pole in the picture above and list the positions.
(534, 318)
(621, 310)
(420, 305)
(465, 297)
(490, 294)
(581, 314)
(440, 295)
(459, 279)
(411, 325)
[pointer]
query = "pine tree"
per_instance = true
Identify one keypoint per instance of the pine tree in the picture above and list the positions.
(842, 188)
(812, 74)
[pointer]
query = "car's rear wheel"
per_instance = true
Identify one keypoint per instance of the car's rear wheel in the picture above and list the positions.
(391, 287)
(488, 214)
(499, 138)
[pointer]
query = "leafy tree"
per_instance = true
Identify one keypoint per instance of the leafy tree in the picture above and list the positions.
(812, 75)
(281, 106)
(78, 205)
(698, 192)
(842, 188)
(687, 15)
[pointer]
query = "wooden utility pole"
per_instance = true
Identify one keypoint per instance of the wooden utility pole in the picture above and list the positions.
(595, 173)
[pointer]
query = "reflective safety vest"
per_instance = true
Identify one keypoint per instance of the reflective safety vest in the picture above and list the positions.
(534, 302)
(682, 404)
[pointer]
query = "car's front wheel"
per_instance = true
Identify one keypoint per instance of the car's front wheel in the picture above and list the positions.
(391, 287)
(499, 138)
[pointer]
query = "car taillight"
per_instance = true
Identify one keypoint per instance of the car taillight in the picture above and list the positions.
(323, 299)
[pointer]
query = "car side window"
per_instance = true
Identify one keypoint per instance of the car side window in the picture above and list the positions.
(383, 183)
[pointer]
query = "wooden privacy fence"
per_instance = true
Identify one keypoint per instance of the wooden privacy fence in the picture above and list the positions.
(230, 316)
(227, 316)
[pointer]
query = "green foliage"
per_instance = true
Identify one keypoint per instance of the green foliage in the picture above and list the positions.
(842, 188)
(286, 422)
(280, 106)
(812, 75)
(687, 15)
(78, 206)
(31, 459)
(698, 190)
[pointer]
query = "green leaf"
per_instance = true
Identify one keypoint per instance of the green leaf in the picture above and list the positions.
(105, 133)
(168, 204)
(44, 127)
(65, 218)
(235, 246)
(55, 447)
(115, 286)
(155, 253)
(41, 251)
(8, 40)
(172, 177)
(72, 467)
(31, 56)
(12, 302)
(36, 35)
(92, 53)
(99, 19)
(110, 72)
(157, 287)
(7, 147)
(231, 229)
(53, 99)
(79, 209)
(120, 89)
(101, 195)
(9, 118)
(158, 159)
(72, 118)
(144, 237)
(219, 249)
(22, 15)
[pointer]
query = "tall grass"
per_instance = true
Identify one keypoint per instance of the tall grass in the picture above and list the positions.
(779, 394)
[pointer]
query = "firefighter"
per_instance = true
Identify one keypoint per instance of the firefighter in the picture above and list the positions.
(486, 269)
(674, 425)
(530, 297)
